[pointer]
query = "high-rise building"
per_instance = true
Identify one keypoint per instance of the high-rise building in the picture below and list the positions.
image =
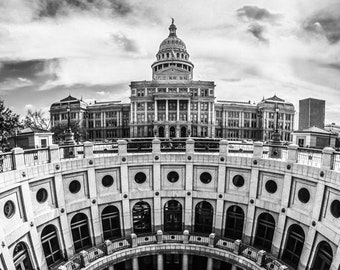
(311, 113)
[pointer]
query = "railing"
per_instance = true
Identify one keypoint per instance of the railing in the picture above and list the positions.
(71, 151)
(36, 156)
(207, 146)
(261, 258)
(311, 157)
(6, 162)
(105, 149)
(306, 156)
(173, 146)
(336, 161)
(139, 146)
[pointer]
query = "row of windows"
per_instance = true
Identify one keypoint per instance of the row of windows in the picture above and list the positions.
(173, 222)
(171, 55)
(194, 91)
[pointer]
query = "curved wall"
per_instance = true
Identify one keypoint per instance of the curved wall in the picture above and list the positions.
(317, 216)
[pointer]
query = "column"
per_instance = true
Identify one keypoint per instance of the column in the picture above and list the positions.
(189, 111)
(125, 201)
(160, 263)
(199, 119)
(249, 223)
(146, 112)
(210, 263)
(177, 109)
(185, 262)
(166, 110)
(213, 120)
(135, 113)
(131, 113)
(135, 265)
(156, 112)
(209, 112)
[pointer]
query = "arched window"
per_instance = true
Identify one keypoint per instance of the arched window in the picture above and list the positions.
(50, 243)
(323, 258)
(204, 213)
(141, 213)
(111, 222)
(265, 231)
(294, 245)
(21, 257)
(80, 232)
(173, 216)
(234, 223)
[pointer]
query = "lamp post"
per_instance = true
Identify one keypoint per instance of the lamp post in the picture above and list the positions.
(276, 143)
(68, 109)
(69, 138)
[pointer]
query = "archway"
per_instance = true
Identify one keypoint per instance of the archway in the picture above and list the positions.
(265, 231)
(323, 258)
(173, 216)
(204, 213)
(21, 257)
(172, 132)
(294, 245)
(183, 132)
(50, 244)
(111, 222)
(141, 213)
(80, 232)
(161, 132)
(234, 223)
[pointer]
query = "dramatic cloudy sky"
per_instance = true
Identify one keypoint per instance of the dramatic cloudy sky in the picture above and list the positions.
(94, 48)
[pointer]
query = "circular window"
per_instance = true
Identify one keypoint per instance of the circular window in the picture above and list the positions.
(9, 209)
(271, 186)
(140, 178)
(42, 195)
(335, 208)
(74, 186)
(205, 177)
(173, 177)
(238, 180)
(107, 181)
(304, 195)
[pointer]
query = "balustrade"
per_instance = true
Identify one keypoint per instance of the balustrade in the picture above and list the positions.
(18, 158)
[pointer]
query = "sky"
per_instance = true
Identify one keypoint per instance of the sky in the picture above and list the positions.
(95, 48)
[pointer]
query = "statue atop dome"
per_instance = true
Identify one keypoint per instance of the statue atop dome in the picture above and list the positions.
(172, 28)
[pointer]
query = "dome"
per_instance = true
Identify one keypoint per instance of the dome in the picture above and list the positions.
(172, 41)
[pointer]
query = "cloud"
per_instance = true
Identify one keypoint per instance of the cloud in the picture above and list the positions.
(14, 83)
(326, 23)
(52, 8)
(250, 13)
(257, 30)
(124, 42)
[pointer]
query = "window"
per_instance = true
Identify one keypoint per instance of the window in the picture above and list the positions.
(288, 117)
(194, 91)
(161, 105)
(294, 245)
(271, 186)
(97, 115)
(140, 177)
(50, 244)
(80, 232)
(173, 216)
(323, 258)
(74, 186)
(204, 106)
(111, 223)
(41, 195)
(246, 123)
(205, 178)
(232, 114)
(271, 115)
(140, 106)
(151, 91)
(247, 115)
(238, 181)
(194, 106)
(151, 105)
(43, 143)
(183, 105)
(107, 181)
(141, 214)
(172, 105)
(98, 123)
(204, 92)
(264, 232)
(234, 223)
(21, 257)
(140, 92)
(203, 218)
(253, 116)
(204, 118)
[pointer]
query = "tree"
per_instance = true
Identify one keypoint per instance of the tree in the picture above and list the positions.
(37, 120)
(9, 124)
(60, 129)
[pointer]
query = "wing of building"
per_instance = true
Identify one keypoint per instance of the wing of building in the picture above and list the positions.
(174, 105)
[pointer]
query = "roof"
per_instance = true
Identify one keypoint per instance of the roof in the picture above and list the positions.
(275, 98)
(69, 98)
(314, 130)
(33, 130)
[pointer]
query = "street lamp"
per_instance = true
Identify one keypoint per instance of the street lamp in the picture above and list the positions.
(68, 109)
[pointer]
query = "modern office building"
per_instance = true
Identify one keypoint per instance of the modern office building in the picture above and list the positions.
(311, 113)
(172, 105)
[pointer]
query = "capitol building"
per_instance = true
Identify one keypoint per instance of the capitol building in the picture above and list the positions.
(120, 206)
(173, 105)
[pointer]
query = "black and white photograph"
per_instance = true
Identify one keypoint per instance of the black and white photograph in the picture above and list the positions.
(169, 135)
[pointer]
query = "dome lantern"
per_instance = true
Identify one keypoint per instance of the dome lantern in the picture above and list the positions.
(172, 28)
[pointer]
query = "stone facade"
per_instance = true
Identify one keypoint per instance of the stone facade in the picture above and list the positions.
(174, 105)
(298, 191)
